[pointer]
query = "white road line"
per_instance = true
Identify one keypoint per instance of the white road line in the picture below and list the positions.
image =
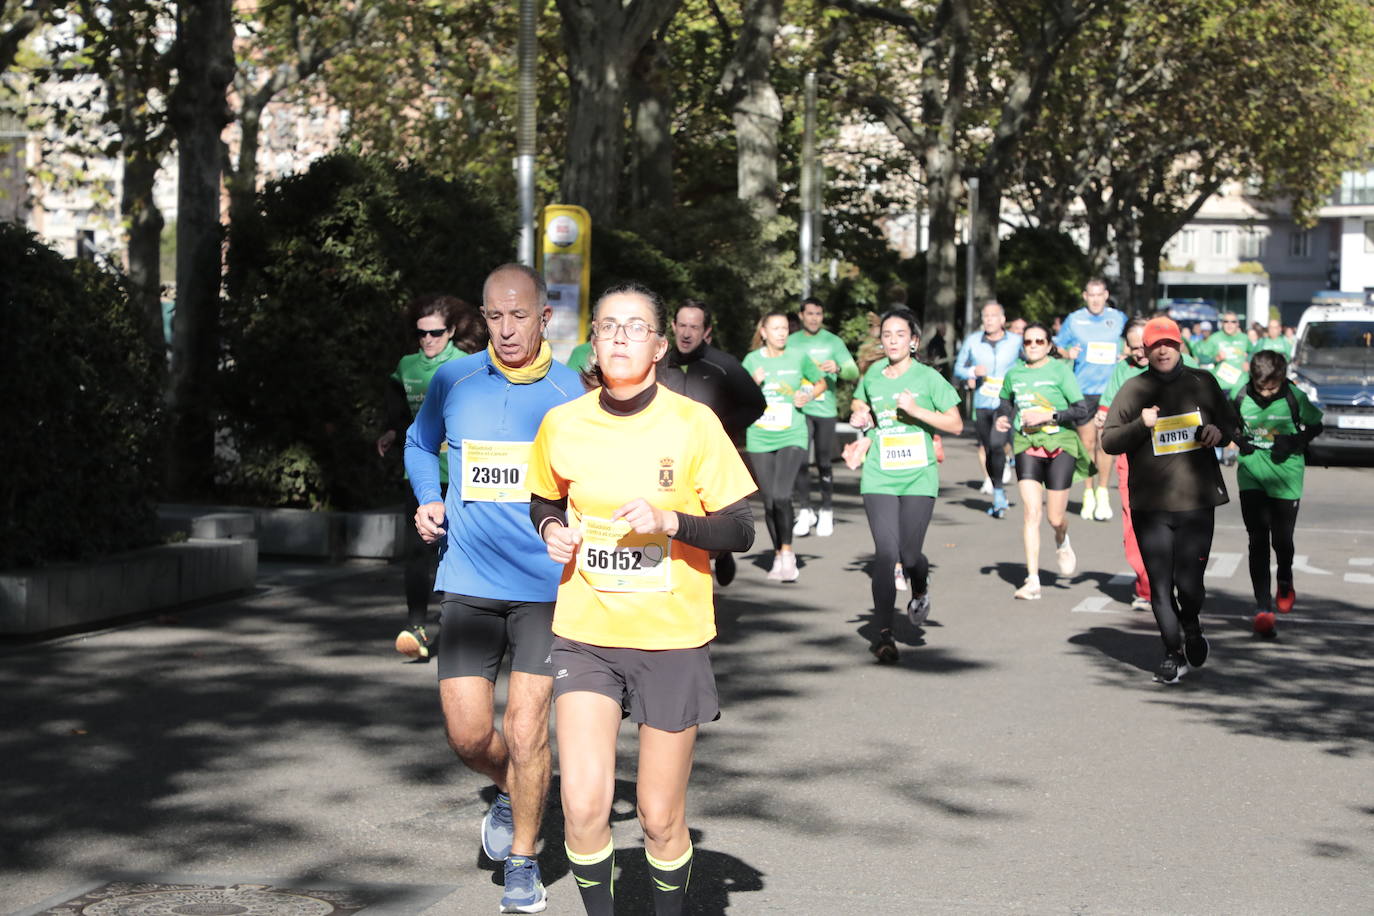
(1223, 565)
(1098, 604)
(1306, 528)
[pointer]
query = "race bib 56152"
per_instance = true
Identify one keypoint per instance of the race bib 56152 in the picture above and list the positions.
(613, 558)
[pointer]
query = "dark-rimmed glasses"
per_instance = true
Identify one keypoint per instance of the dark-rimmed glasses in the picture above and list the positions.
(636, 330)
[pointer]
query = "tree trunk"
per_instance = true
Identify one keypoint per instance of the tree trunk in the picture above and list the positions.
(602, 38)
(242, 182)
(651, 111)
(1097, 214)
(144, 224)
(944, 89)
(942, 253)
(755, 108)
(987, 240)
(1127, 246)
(199, 112)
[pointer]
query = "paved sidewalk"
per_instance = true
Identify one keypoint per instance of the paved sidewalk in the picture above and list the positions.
(1018, 759)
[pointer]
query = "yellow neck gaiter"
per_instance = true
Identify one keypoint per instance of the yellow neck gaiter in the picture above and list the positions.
(528, 374)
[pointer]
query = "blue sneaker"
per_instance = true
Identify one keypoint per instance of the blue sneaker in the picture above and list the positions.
(524, 890)
(999, 503)
(498, 829)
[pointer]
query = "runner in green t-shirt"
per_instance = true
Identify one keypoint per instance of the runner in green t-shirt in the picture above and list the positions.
(1275, 340)
(776, 443)
(1226, 355)
(828, 352)
(1042, 402)
(580, 357)
(1270, 475)
(901, 404)
(439, 323)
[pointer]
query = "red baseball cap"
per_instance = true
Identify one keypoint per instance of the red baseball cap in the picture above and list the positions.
(1157, 329)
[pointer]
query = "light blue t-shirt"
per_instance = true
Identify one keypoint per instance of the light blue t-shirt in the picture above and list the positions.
(997, 356)
(1098, 338)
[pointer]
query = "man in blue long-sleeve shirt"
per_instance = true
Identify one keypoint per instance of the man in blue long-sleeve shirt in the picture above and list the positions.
(983, 360)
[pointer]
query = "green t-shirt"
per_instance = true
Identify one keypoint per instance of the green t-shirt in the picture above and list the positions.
(1225, 356)
(414, 372)
(580, 356)
(1258, 470)
(901, 459)
(1048, 387)
(782, 424)
(822, 346)
(1280, 344)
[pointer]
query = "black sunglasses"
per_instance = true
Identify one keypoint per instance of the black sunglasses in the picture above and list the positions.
(1032, 341)
(432, 332)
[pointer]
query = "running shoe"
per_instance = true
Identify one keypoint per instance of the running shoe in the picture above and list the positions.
(1008, 474)
(1066, 558)
(524, 890)
(986, 488)
(999, 503)
(899, 578)
(1265, 625)
(1029, 591)
(413, 642)
(1195, 646)
(825, 523)
(498, 829)
(789, 571)
(1171, 670)
(802, 527)
(884, 649)
(1102, 508)
(1141, 603)
(918, 608)
(725, 569)
(1089, 503)
(775, 574)
(1285, 597)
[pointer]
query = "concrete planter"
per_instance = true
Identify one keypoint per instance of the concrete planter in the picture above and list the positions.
(378, 534)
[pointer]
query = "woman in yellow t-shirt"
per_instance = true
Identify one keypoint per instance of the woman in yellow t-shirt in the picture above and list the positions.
(632, 487)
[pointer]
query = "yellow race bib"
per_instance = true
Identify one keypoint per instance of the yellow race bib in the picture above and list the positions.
(615, 559)
(1228, 374)
(494, 472)
(902, 451)
(1177, 434)
(1101, 352)
(777, 417)
(991, 387)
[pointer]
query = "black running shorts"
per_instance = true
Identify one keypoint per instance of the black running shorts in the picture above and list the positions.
(669, 689)
(1053, 473)
(474, 634)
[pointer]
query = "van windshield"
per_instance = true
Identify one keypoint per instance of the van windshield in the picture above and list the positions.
(1338, 344)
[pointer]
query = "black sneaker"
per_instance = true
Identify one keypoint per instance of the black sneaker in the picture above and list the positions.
(1171, 670)
(725, 569)
(884, 649)
(1195, 647)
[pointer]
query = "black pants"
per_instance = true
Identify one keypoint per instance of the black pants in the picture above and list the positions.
(775, 473)
(1268, 521)
(1175, 547)
(898, 525)
(993, 442)
(822, 433)
(422, 564)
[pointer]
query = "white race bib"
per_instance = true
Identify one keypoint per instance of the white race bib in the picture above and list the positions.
(1228, 374)
(902, 451)
(991, 387)
(1177, 434)
(1101, 352)
(494, 472)
(776, 417)
(613, 558)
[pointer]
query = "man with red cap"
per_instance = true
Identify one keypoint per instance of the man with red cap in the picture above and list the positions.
(1166, 421)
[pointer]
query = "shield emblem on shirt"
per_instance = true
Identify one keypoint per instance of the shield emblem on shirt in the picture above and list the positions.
(665, 474)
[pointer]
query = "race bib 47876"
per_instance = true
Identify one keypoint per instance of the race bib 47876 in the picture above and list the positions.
(1177, 434)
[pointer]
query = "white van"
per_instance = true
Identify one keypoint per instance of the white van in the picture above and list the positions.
(1333, 364)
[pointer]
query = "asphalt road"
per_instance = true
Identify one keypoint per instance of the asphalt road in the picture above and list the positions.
(1018, 759)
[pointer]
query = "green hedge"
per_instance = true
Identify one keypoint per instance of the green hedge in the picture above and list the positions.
(82, 410)
(335, 256)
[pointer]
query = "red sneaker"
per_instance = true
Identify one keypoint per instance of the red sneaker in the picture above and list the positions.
(1264, 624)
(1285, 598)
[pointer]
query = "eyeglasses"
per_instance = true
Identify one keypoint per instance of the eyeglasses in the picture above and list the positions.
(1230, 321)
(636, 329)
(436, 333)
(1035, 341)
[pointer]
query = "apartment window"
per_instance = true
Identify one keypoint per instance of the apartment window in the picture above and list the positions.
(1186, 242)
(1300, 243)
(1356, 188)
(1252, 244)
(1221, 241)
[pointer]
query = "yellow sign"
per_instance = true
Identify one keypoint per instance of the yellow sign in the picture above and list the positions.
(494, 472)
(1177, 434)
(615, 559)
(565, 260)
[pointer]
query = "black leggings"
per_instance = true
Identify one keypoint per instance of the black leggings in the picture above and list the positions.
(1268, 520)
(993, 442)
(775, 473)
(898, 525)
(1175, 547)
(422, 563)
(822, 432)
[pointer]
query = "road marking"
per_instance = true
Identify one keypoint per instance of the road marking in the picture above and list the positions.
(1360, 578)
(1223, 565)
(1307, 528)
(1301, 564)
(1098, 604)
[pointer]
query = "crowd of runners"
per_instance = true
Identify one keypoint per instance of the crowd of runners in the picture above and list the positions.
(578, 515)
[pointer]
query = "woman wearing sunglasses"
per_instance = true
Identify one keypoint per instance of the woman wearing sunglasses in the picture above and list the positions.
(446, 328)
(632, 487)
(1042, 402)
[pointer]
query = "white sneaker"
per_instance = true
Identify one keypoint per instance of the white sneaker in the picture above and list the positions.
(1141, 603)
(775, 573)
(1102, 511)
(1089, 504)
(1067, 559)
(825, 523)
(986, 488)
(1008, 474)
(802, 527)
(789, 567)
(899, 578)
(1030, 591)
(918, 608)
